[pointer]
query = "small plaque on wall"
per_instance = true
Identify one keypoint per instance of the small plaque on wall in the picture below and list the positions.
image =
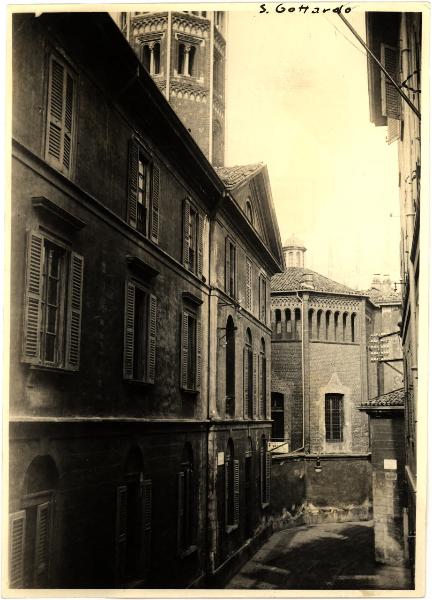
(220, 458)
(390, 464)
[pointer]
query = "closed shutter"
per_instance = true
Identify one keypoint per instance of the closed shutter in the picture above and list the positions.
(186, 232)
(236, 492)
(32, 301)
(68, 123)
(184, 351)
(73, 337)
(133, 182)
(264, 388)
(42, 545)
(121, 531)
(262, 474)
(180, 511)
(147, 521)
(155, 204)
(227, 266)
(268, 477)
(248, 285)
(227, 494)
(17, 529)
(255, 385)
(198, 353)
(128, 352)
(245, 381)
(261, 387)
(390, 97)
(200, 244)
(151, 339)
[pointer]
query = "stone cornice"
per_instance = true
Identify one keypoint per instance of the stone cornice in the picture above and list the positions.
(150, 23)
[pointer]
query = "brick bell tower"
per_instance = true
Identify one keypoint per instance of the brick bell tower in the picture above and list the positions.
(184, 52)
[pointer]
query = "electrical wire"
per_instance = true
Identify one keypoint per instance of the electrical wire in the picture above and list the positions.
(343, 35)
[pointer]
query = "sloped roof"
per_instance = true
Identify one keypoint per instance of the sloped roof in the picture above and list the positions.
(394, 398)
(379, 297)
(294, 241)
(290, 281)
(234, 176)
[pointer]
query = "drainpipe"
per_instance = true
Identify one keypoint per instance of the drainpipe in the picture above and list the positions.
(300, 299)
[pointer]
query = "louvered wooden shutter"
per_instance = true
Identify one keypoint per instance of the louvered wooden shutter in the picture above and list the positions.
(17, 528)
(227, 266)
(268, 476)
(198, 353)
(155, 204)
(184, 351)
(236, 498)
(32, 301)
(42, 545)
(245, 381)
(393, 130)
(390, 97)
(261, 387)
(227, 493)
(264, 387)
(121, 531)
(262, 474)
(200, 248)
(254, 385)
(248, 285)
(186, 232)
(133, 182)
(180, 511)
(73, 337)
(68, 122)
(147, 520)
(151, 338)
(128, 352)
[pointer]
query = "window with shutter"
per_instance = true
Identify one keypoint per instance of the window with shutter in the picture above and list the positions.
(139, 354)
(17, 532)
(333, 417)
(263, 299)
(230, 268)
(60, 129)
(236, 492)
(52, 304)
(42, 543)
(265, 472)
(190, 363)
(193, 238)
(232, 488)
(143, 191)
(248, 285)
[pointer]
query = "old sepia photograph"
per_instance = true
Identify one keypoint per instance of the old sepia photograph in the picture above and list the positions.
(216, 374)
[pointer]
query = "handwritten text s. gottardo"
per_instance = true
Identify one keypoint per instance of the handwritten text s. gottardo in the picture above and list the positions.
(302, 9)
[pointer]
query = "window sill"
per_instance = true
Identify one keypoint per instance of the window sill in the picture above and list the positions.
(137, 382)
(189, 392)
(188, 551)
(231, 528)
(48, 369)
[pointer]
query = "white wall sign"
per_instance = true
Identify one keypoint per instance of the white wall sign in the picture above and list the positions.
(220, 458)
(390, 463)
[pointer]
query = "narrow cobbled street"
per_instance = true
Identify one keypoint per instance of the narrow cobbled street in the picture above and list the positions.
(328, 556)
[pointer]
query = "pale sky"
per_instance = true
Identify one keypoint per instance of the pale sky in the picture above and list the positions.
(297, 100)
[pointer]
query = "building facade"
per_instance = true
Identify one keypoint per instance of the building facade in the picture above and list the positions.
(396, 40)
(185, 53)
(122, 277)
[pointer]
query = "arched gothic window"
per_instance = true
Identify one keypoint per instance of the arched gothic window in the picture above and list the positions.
(353, 327)
(319, 324)
(288, 323)
(344, 326)
(249, 212)
(278, 321)
(327, 325)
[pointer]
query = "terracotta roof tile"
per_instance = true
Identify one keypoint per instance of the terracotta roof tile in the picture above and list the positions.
(290, 280)
(394, 398)
(378, 296)
(233, 176)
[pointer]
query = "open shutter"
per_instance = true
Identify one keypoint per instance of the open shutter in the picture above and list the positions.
(128, 353)
(17, 526)
(262, 474)
(200, 244)
(227, 494)
(73, 337)
(261, 390)
(198, 353)
(268, 476)
(236, 491)
(227, 265)
(147, 521)
(68, 122)
(155, 204)
(42, 545)
(55, 113)
(248, 285)
(133, 182)
(32, 301)
(186, 232)
(264, 387)
(390, 97)
(121, 531)
(245, 381)
(180, 511)
(255, 358)
(393, 130)
(151, 339)
(184, 351)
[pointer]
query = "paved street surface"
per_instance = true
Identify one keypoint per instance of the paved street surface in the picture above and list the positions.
(329, 556)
